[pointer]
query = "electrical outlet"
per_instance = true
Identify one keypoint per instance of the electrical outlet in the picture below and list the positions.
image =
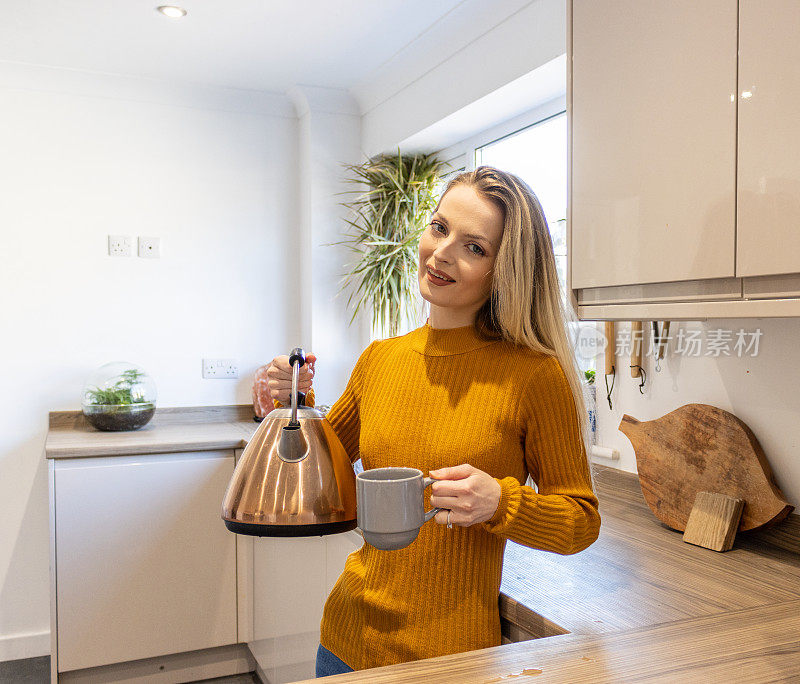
(220, 369)
(149, 247)
(120, 245)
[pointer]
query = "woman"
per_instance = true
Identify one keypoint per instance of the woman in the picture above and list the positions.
(484, 394)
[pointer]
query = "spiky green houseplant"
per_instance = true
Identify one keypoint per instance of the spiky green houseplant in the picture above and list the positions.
(387, 221)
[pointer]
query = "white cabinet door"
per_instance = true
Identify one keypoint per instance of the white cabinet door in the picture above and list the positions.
(653, 141)
(291, 581)
(768, 231)
(144, 563)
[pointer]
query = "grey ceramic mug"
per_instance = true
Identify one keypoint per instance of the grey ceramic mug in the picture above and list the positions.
(390, 506)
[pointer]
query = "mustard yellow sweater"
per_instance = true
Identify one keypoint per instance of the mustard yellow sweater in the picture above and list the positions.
(441, 397)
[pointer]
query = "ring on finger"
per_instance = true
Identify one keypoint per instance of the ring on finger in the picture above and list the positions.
(449, 524)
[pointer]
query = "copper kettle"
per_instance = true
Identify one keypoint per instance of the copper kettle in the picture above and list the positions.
(294, 478)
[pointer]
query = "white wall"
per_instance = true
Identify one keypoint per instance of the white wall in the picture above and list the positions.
(214, 174)
(329, 137)
(760, 390)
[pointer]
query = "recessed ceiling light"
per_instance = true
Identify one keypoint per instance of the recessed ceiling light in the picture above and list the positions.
(171, 11)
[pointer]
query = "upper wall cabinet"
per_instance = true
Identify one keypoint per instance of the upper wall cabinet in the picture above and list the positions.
(768, 231)
(653, 141)
(655, 228)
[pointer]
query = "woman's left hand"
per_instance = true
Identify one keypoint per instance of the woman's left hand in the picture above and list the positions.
(471, 494)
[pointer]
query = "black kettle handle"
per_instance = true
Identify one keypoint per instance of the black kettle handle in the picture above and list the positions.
(297, 354)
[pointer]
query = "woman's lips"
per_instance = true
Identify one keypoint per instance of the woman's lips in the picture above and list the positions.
(437, 281)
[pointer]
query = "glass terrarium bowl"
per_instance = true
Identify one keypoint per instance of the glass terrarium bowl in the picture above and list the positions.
(119, 396)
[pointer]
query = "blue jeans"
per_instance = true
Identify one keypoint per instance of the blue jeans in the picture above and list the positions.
(328, 664)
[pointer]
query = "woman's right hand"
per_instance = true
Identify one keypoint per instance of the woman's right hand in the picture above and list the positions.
(279, 378)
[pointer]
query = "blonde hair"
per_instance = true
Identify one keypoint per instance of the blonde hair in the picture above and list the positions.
(525, 305)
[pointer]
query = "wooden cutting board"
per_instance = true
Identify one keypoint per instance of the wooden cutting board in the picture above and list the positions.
(699, 447)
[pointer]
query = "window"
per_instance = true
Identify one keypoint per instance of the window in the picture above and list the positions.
(452, 168)
(538, 155)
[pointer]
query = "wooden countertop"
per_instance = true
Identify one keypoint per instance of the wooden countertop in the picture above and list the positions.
(752, 645)
(640, 605)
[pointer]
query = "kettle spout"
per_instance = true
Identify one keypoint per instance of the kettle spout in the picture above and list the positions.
(292, 446)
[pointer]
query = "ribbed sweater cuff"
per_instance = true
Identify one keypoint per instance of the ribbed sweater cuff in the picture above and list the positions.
(507, 507)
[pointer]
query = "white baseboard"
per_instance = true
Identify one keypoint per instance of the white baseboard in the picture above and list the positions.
(18, 646)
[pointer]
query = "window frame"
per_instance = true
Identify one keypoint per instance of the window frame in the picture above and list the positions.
(463, 153)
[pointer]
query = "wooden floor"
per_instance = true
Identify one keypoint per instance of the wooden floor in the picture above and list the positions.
(37, 671)
(27, 671)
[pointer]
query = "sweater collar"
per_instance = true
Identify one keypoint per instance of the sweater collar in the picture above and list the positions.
(446, 341)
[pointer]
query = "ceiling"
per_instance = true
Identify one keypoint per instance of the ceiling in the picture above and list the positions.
(250, 44)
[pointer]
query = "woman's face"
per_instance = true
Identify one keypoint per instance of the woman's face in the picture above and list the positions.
(461, 241)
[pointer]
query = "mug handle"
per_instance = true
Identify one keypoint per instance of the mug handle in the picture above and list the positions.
(427, 482)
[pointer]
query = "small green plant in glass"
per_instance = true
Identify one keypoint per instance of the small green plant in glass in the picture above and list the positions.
(119, 396)
(121, 392)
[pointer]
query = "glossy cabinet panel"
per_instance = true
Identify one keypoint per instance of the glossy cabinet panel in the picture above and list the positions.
(768, 231)
(653, 141)
(292, 578)
(289, 581)
(145, 566)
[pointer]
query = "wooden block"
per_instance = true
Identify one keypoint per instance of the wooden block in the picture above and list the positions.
(713, 521)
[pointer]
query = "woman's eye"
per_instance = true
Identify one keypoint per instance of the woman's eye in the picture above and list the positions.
(480, 251)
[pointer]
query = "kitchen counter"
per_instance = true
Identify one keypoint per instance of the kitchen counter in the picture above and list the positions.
(640, 604)
(200, 428)
(753, 645)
